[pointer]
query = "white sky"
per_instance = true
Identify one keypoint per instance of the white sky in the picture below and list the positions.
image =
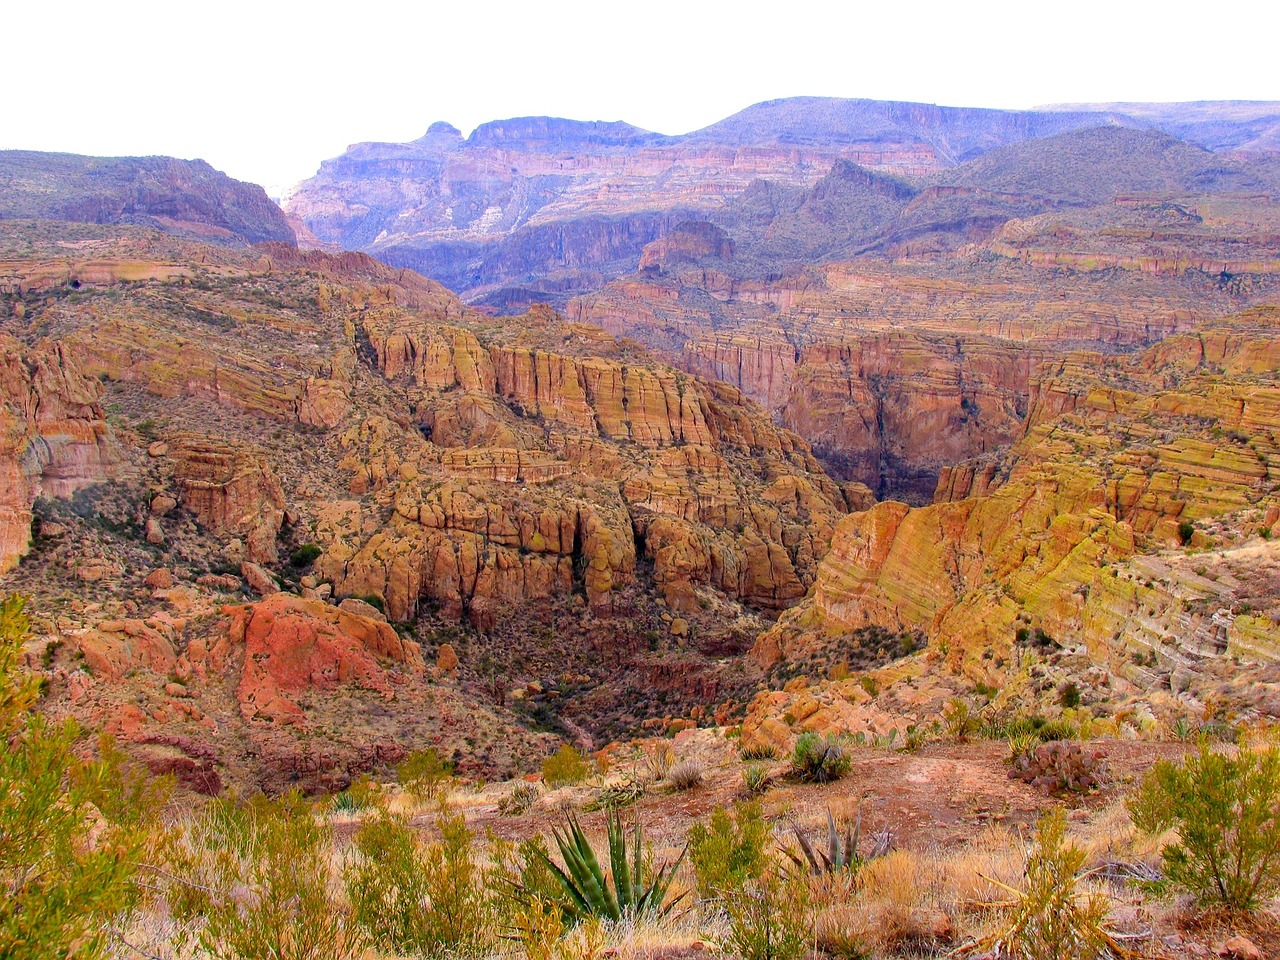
(266, 90)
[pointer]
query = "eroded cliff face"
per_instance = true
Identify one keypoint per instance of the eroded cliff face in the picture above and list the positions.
(564, 470)
(897, 372)
(322, 430)
(1129, 524)
(54, 438)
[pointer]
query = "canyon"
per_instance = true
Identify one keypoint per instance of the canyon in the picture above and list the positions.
(813, 420)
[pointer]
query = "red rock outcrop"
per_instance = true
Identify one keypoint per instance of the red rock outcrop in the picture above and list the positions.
(292, 646)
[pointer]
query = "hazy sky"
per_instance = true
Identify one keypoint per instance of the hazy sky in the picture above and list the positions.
(266, 90)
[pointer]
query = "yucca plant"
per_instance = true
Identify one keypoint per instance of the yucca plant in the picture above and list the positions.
(587, 887)
(838, 857)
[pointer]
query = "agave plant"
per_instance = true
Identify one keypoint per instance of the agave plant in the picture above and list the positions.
(587, 889)
(838, 857)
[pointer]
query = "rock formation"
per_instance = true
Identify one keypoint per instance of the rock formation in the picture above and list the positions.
(53, 435)
(1126, 464)
(183, 197)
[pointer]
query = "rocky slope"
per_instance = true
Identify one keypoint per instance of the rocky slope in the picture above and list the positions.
(1131, 526)
(917, 351)
(183, 197)
(344, 431)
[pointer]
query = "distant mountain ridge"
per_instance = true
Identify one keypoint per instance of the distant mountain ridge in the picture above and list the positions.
(183, 197)
(540, 208)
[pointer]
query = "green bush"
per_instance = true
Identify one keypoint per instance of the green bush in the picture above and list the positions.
(1226, 810)
(429, 899)
(60, 891)
(258, 875)
(1186, 530)
(960, 721)
(729, 850)
(819, 759)
(565, 768)
(305, 556)
(770, 918)
(422, 773)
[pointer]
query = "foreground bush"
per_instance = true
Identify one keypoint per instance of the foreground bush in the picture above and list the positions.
(409, 896)
(729, 851)
(585, 890)
(252, 880)
(1052, 919)
(1227, 813)
(62, 881)
(770, 918)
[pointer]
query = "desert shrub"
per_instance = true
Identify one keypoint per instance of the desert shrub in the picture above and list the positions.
(629, 889)
(59, 890)
(614, 796)
(729, 850)
(1059, 766)
(305, 556)
(258, 875)
(819, 759)
(685, 775)
(758, 751)
(410, 896)
(1226, 810)
(755, 779)
(840, 854)
(659, 758)
(422, 773)
(519, 800)
(1052, 919)
(565, 768)
(543, 934)
(1186, 530)
(770, 918)
(960, 721)
(1069, 695)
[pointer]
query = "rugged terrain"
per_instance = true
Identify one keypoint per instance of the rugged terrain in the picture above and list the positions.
(183, 197)
(988, 414)
(542, 208)
(586, 528)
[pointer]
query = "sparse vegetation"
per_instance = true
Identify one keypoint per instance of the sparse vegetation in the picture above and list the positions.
(565, 768)
(1052, 918)
(423, 774)
(253, 881)
(819, 759)
(627, 890)
(1226, 810)
(425, 898)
